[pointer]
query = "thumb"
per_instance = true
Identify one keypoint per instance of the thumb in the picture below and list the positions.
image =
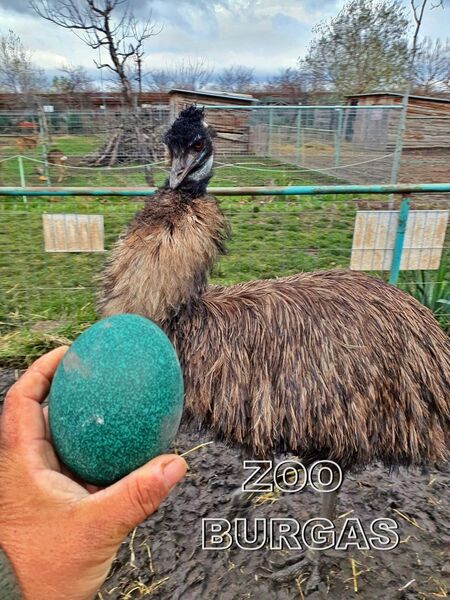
(128, 502)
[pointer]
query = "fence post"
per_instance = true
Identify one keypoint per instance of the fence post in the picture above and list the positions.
(399, 240)
(43, 136)
(270, 131)
(337, 136)
(299, 141)
(22, 176)
(398, 152)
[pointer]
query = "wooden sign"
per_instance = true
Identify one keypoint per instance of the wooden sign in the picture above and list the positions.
(374, 238)
(73, 233)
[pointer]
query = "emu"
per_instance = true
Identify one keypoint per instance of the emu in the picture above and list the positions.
(326, 365)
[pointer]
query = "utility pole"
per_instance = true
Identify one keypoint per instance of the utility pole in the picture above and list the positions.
(139, 70)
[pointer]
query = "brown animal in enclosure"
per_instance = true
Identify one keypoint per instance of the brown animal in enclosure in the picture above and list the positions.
(26, 142)
(326, 365)
(57, 159)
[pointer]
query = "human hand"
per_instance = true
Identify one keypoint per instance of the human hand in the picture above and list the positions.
(61, 535)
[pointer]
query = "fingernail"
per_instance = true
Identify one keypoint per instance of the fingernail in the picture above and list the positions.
(174, 470)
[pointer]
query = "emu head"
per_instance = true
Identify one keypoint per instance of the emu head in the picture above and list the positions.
(191, 151)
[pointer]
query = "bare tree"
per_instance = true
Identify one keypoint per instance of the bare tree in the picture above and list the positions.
(365, 47)
(432, 68)
(18, 74)
(103, 24)
(187, 74)
(236, 78)
(111, 25)
(418, 10)
(74, 80)
(160, 80)
(289, 83)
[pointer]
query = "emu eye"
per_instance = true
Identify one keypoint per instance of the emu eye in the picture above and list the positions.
(198, 146)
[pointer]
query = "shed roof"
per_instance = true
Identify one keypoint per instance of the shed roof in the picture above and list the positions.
(397, 95)
(215, 94)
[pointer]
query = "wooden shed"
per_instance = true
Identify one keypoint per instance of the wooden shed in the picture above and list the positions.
(232, 126)
(426, 148)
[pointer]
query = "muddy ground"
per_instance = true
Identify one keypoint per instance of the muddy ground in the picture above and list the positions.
(163, 558)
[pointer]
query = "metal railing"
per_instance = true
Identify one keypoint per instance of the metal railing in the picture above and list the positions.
(289, 190)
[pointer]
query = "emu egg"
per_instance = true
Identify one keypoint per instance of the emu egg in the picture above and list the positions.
(116, 399)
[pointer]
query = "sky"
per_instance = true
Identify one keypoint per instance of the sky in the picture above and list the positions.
(265, 34)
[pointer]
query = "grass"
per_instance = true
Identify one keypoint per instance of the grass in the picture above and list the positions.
(432, 289)
(48, 298)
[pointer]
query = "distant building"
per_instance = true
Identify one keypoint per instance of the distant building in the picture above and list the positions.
(426, 149)
(232, 126)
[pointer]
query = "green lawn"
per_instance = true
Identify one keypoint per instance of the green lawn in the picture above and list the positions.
(48, 298)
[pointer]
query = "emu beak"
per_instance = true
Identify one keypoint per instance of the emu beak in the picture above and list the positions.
(181, 166)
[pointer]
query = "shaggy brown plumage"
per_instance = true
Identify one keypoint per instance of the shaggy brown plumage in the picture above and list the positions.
(331, 364)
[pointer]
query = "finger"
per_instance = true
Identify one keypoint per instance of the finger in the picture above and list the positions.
(131, 500)
(35, 382)
(41, 454)
(89, 487)
(22, 419)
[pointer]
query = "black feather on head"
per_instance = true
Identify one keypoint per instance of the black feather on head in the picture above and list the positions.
(187, 126)
(192, 113)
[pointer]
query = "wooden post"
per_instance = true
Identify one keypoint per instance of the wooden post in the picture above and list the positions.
(43, 137)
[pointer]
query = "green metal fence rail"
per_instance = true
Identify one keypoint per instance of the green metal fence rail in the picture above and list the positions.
(292, 190)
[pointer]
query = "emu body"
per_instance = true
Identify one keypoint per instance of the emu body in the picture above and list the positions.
(331, 364)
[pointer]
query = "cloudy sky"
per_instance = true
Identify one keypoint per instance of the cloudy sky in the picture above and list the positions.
(266, 34)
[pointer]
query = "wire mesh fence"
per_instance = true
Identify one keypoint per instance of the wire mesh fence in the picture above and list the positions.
(332, 144)
(263, 145)
(272, 235)
(266, 144)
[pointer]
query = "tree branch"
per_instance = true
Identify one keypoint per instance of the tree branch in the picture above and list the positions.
(102, 23)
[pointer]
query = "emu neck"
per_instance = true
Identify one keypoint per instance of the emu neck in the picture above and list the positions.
(162, 262)
(191, 189)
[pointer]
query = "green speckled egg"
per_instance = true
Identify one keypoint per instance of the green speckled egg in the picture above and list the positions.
(116, 399)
